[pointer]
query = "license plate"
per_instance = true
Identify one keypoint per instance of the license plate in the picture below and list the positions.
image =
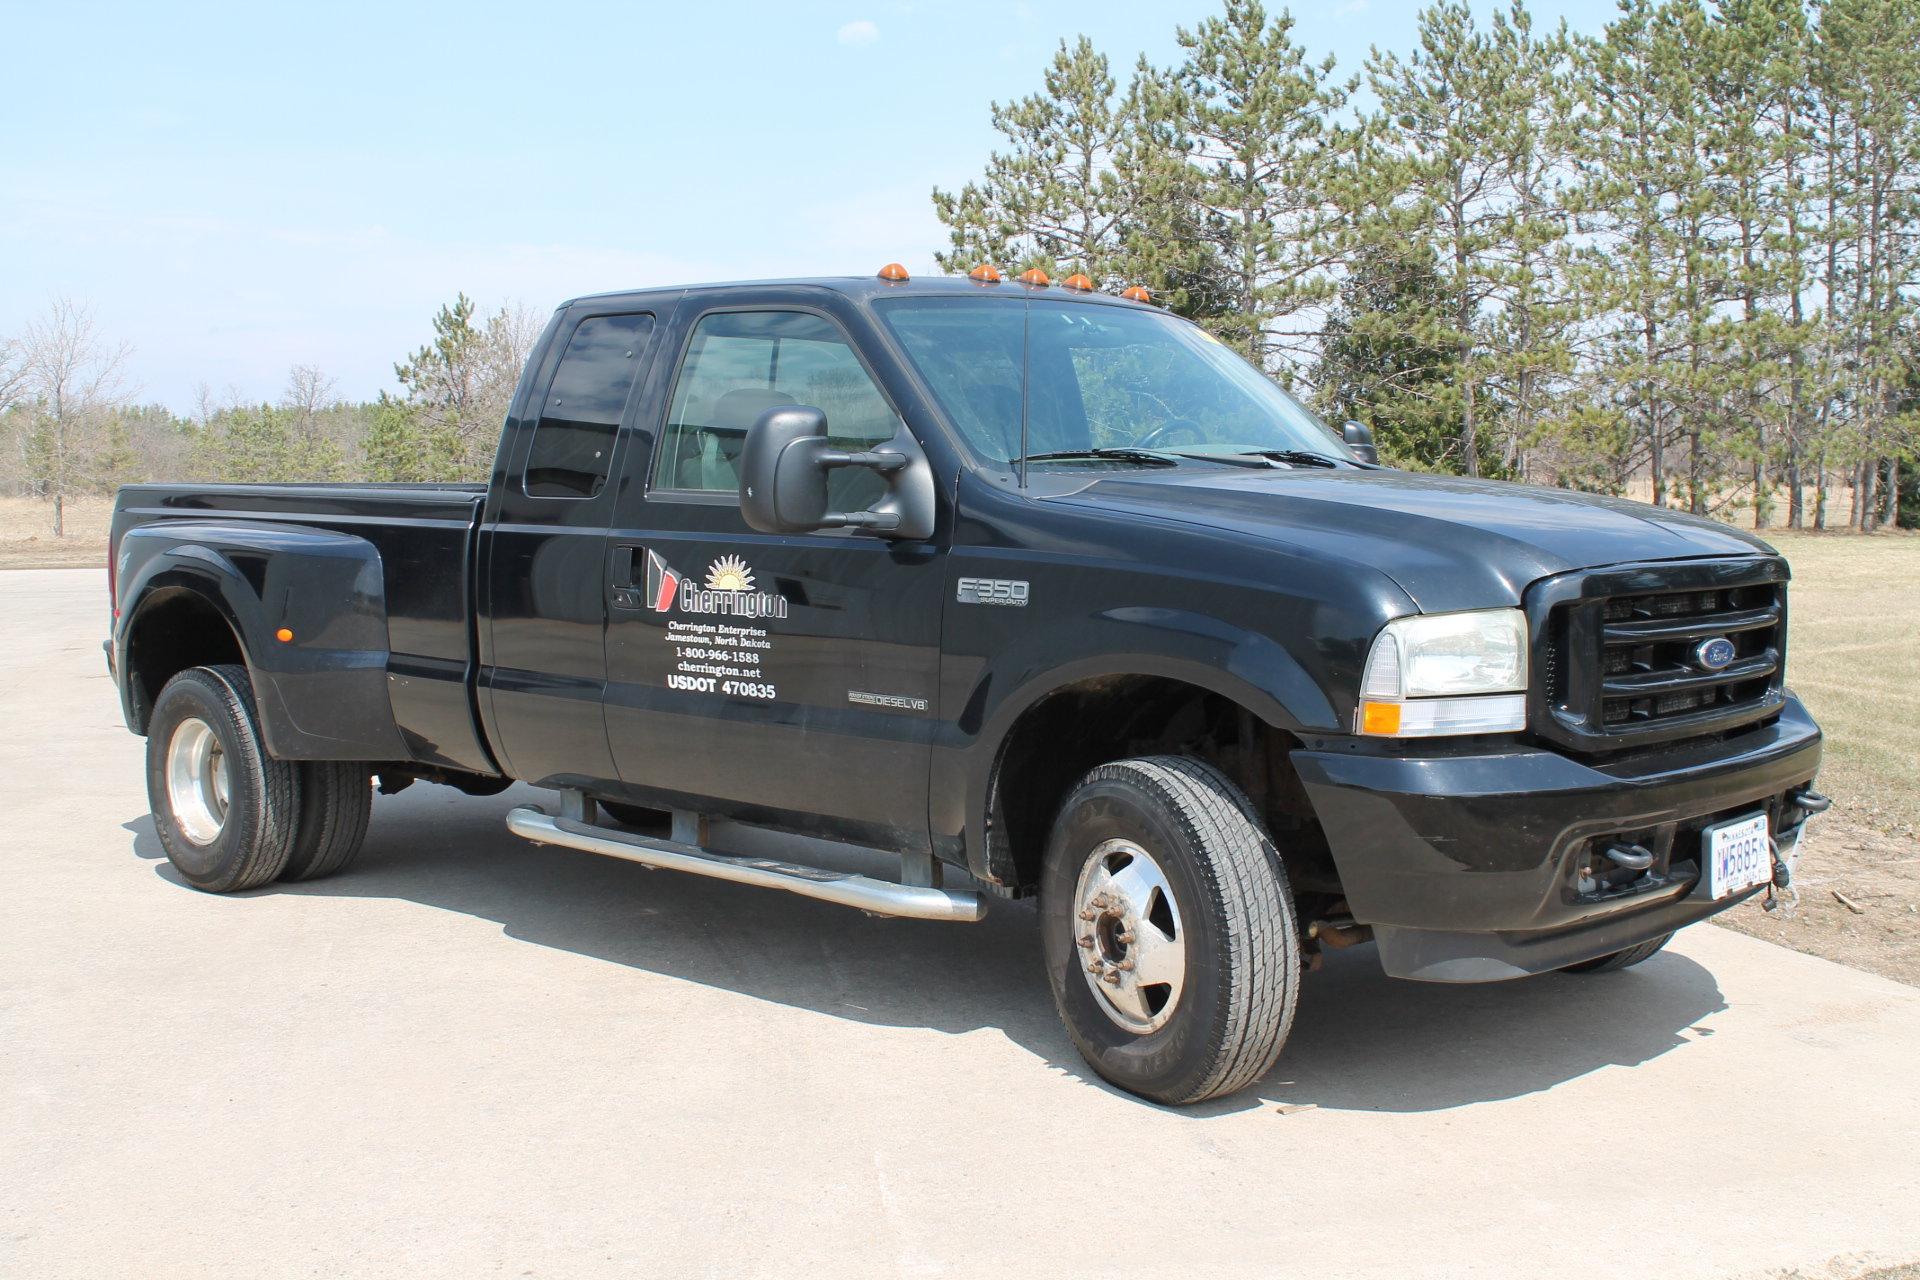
(1739, 855)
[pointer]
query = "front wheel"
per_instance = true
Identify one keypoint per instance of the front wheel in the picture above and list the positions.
(1171, 941)
(225, 812)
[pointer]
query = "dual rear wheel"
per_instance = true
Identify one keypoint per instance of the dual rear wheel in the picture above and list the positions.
(229, 816)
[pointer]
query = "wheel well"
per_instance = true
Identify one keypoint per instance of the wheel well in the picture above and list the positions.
(175, 630)
(1057, 740)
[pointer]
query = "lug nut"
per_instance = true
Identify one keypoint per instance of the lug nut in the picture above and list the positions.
(1110, 977)
(1125, 965)
(1126, 937)
(1089, 915)
(1086, 942)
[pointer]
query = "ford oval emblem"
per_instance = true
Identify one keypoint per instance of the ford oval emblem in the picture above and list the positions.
(1715, 653)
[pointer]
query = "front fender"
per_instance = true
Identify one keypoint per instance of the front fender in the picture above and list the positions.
(323, 694)
(1245, 666)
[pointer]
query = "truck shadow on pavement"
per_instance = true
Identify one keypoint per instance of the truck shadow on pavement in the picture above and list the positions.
(1361, 1041)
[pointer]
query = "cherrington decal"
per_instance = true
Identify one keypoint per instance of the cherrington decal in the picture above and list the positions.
(729, 590)
(716, 657)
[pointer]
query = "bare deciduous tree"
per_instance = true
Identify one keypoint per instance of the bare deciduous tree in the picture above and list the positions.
(75, 381)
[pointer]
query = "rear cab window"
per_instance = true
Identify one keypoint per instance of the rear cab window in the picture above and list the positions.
(571, 454)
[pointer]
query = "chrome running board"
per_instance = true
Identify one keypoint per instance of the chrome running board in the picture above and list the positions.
(880, 897)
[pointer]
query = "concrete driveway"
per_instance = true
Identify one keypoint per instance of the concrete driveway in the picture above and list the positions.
(472, 1057)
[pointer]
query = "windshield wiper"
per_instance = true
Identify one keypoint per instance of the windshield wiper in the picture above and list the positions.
(1233, 460)
(1295, 457)
(1145, 457)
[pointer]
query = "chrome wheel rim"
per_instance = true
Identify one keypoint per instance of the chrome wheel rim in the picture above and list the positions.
(198, 781)
(1126, 926)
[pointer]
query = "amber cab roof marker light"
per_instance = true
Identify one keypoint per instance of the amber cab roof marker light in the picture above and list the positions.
(1137, 294)
(1035, 277)
(1078, 283)
(893, 272)
(985, 273)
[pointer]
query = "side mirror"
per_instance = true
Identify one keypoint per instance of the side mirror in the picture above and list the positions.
(1359, 438)
(783, 478)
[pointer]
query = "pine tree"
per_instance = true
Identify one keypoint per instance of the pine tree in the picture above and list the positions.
(1443, 110)
(1646, 208)
(1252, 120)
(1065, 193)
(1535, 331)
(1868, 58)
(402, 446)
(442, 385)
(1383, 369)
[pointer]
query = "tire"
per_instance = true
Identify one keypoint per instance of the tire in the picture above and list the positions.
(225, 812)
(336, 800)
(1231, 918)
(1621, 959)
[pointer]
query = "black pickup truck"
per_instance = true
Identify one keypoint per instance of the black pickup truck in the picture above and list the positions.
(1008, 579)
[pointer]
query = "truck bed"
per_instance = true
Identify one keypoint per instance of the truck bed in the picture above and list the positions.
(423, 535)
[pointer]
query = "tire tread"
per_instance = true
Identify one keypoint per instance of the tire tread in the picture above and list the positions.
(336, 802)
(270, 788)
(1623, 959)
(1253, 904)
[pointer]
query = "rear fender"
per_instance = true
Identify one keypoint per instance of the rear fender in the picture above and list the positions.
(322, 693)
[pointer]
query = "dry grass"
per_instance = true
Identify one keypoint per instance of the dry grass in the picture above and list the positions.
(1854, 660)
(27, 541)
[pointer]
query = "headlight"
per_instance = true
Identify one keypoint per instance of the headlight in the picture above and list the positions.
(1446, 673)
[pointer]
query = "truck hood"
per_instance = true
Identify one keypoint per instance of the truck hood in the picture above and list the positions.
(1450, 543)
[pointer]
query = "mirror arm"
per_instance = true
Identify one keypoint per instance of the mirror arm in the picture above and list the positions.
(883, 461)
(882, 520)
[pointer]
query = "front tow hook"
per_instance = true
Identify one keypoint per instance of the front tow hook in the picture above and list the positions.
(1812, 802)
(1630, 857)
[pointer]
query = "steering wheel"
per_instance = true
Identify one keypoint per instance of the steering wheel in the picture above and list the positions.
(1157, 438)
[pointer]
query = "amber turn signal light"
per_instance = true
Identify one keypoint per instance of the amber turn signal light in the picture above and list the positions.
(1382, 718)
(1078, 282)
(284, 635)
(985, 273)
(893, 271)
(1035, 277)
(1137, 294)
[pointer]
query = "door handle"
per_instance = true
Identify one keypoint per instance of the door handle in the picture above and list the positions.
(622, 589)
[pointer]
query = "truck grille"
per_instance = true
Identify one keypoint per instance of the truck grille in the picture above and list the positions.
(1655, 653)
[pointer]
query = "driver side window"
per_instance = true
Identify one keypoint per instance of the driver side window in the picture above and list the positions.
(738, 365)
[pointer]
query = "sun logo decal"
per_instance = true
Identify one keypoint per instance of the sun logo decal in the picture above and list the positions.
(729, 573)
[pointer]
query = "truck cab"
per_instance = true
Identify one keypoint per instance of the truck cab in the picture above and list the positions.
(1043, 593)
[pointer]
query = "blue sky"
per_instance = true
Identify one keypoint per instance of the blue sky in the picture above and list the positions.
(236, 189)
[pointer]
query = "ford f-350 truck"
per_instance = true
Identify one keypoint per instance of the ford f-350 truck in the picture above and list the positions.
(1009, 579)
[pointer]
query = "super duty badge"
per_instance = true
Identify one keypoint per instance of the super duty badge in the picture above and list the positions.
(1007, 591)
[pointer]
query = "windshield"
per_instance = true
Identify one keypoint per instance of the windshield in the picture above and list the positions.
(1100, 378)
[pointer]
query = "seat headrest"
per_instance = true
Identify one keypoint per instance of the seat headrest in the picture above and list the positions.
(738, 409)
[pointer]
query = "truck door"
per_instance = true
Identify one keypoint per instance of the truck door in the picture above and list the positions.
(774, 678)
(544, 616)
